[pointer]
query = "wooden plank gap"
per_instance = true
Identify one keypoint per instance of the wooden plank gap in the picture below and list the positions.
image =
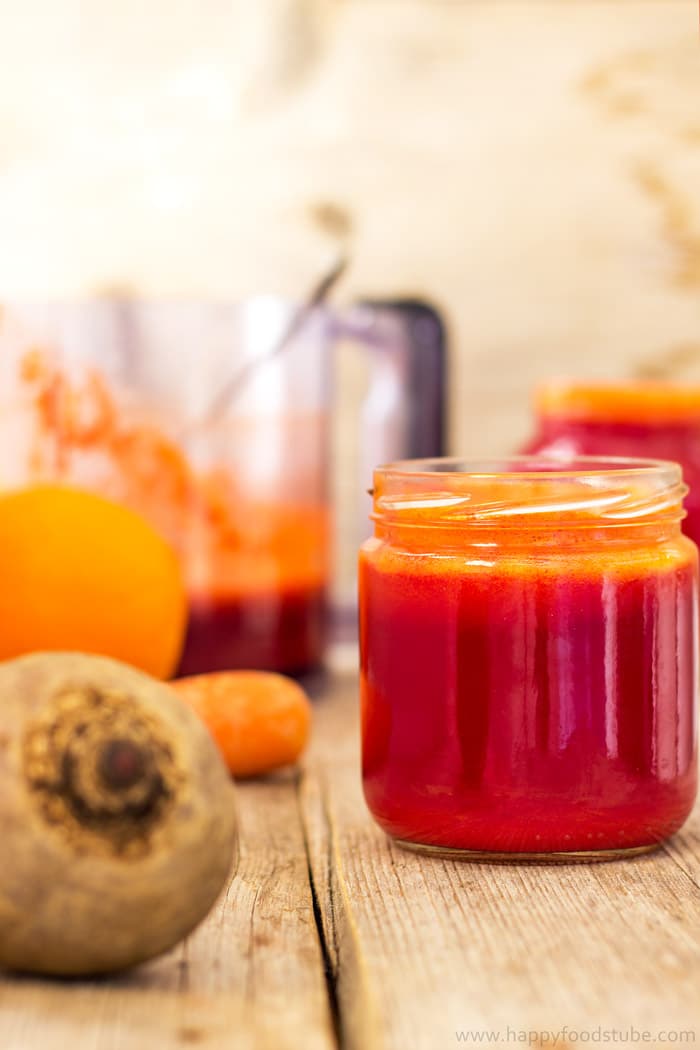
(671, 852)
(349, 984)
(328, 947)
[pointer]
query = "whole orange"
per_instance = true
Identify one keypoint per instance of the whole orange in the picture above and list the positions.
(78, 572)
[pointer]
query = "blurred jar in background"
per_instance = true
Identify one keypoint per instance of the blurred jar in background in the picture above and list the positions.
(625, 418)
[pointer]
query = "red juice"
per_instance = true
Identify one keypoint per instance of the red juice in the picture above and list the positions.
(257, 582)
(529, 699)
(279, 631)
(660, 420)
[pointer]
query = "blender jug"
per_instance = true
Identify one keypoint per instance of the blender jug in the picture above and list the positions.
(115, 396)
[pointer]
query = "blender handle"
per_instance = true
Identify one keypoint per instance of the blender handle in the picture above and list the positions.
(404, 413)
(424, 352)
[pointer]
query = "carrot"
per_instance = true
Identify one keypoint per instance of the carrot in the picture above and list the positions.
(259, 720)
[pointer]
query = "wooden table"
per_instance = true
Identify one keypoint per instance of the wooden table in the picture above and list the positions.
(328, 936)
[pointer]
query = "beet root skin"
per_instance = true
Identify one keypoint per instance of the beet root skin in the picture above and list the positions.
(118, 816)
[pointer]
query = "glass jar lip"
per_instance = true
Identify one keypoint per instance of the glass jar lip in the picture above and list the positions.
(530, 468)
(529, 492)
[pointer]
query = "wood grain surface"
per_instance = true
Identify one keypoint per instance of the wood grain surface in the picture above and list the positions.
(328, 936)
(429, 948)
(251, 977)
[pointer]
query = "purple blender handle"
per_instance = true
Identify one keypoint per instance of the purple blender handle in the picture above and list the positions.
(404, 413)
(424, 340)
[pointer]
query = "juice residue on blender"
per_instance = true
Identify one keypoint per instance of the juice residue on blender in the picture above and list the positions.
(256, 569)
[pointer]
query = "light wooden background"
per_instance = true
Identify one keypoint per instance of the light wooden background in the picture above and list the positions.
(531, 166)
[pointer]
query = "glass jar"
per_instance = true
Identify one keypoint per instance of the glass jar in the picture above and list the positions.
(626, 418)
(528, 635)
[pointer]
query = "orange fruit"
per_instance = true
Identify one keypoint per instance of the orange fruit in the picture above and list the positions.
(78, 572)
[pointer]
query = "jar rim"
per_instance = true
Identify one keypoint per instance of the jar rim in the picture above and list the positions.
(539, 467)
(529, 492)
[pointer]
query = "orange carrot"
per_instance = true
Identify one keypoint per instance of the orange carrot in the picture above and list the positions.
(259, 720)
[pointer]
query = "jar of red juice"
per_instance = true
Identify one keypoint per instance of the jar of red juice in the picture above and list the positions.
(625, 418)
(528, 636)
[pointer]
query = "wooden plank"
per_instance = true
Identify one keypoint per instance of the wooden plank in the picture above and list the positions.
(423, 948)
(251, 977)
(416, 949)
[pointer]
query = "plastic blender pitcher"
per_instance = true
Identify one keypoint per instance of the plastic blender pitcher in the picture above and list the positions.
(115, 396)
